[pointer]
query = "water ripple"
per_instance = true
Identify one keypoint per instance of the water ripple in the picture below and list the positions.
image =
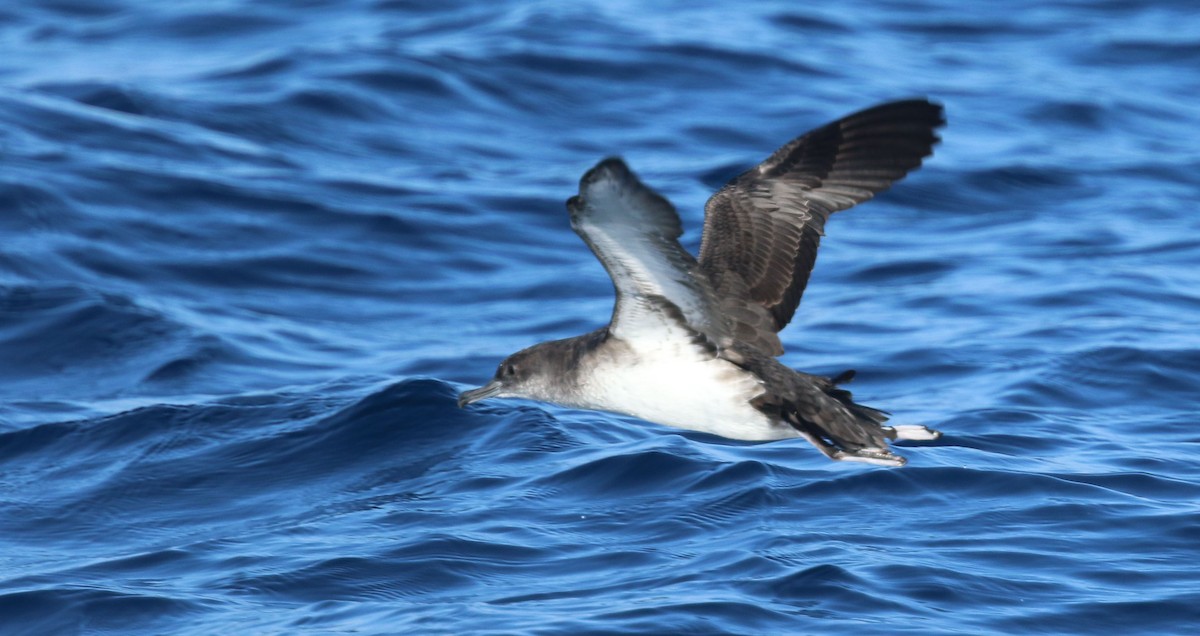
(252, 253)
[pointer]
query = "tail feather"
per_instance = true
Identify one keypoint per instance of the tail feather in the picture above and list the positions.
(853, 432)
(842, 448)
(825, 414)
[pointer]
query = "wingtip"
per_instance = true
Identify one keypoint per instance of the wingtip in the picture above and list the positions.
(573, 204)
(937, 111)
(613, 161)
(876, 457)
(608, 167)
(921, 110)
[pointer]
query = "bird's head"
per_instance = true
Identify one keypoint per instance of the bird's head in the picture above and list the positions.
(524, 374)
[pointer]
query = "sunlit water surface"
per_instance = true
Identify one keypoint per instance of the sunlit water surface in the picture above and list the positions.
(252, 251)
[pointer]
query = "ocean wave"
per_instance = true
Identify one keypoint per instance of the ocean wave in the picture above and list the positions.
(251, 254)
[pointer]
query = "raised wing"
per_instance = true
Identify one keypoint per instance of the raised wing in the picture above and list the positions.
(762, 230)
(634, 232)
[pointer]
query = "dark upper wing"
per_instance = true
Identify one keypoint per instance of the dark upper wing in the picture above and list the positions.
(634, 233)
(762, 230)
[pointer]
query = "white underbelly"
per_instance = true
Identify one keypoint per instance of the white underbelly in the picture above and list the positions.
(711, 396)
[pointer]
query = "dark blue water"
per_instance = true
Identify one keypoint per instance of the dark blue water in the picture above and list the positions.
(249, 252)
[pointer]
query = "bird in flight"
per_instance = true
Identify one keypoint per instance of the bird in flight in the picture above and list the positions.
(693, 342)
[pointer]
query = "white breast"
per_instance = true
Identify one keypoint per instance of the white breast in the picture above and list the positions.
(672, 386)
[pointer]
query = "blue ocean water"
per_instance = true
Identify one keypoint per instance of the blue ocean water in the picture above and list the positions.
(251, 251)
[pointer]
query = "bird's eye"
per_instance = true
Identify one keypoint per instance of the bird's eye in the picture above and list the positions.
(510, 370)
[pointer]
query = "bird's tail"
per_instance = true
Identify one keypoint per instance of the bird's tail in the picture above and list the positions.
(844, 430)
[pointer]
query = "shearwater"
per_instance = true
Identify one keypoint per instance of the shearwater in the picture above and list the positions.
(692, 343)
